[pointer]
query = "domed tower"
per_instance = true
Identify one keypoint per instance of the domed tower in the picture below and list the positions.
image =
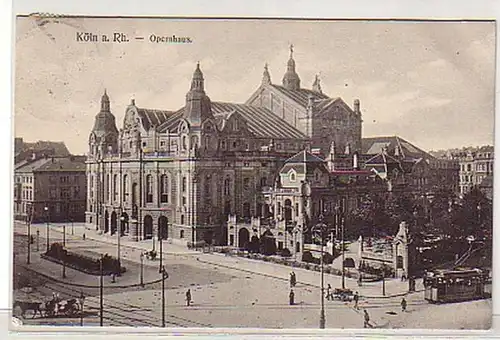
(104, 135)
(198, 107)
(291, 80)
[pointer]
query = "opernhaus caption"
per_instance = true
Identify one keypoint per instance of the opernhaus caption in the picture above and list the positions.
(120, 37)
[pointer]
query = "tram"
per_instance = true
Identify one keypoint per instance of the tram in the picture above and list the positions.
(443, 286)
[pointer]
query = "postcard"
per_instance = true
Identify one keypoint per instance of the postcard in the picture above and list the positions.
(182, 173)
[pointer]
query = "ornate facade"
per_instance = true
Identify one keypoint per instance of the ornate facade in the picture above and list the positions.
(179, 174)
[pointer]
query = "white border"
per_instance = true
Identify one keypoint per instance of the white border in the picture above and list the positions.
(383, 9)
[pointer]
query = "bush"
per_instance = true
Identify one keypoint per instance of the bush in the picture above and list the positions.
(307, 257)
(285, 252)
(327, 258)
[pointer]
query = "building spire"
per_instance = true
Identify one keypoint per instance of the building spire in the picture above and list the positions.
(266, 77)
(197, 83)
(291, 80)
(317, 84)
(105, 107)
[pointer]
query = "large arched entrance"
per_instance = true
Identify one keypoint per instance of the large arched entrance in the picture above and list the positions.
(148, 227)
(243, 238)
(114, 223)
(106, 222)
(162, 228)
(268, 243)
(124, 223)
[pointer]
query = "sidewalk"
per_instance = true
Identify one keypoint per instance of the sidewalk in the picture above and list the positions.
(393, 287)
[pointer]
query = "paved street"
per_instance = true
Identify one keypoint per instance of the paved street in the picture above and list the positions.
(228, 291)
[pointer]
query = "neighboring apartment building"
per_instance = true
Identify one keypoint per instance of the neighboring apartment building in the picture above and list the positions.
(476, 165)
(50, 189)
(26, 151)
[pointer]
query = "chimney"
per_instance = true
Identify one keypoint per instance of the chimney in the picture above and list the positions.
(355, 161)
(356, 106)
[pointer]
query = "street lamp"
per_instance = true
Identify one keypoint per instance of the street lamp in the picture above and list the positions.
(81, 299)
(160, 238)
(37, 240)
(72, 227)
(142, 269)
(101, 292)
(122, 222)
(47, 220)
(28, 260)
(64, 235)
(320, 228)
(164, 276)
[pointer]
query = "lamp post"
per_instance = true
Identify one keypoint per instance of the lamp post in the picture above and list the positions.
(37, 240)
(64, 235)
(47, 220)
(118, 255)
(142, 269)
(28, 259)
(160, 238)
(64, 263)
(101, 291)
(81, 299)
(320, 228)
(72, 227)
(164, 276)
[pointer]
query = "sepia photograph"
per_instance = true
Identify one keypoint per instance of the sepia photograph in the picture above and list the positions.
(179, 173)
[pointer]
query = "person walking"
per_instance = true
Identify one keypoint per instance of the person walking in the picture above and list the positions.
(293, 279)
(356, 300)
(188, 297)
(367, 319)
(291, 297)
(403, 276)
(403, 305)
(328, 292)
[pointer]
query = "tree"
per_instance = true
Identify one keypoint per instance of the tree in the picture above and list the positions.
(474, 215)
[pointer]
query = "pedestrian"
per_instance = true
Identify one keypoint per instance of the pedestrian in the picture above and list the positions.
(403, 305)
(356, 300)
(360, 280)
(328, 292)
(293, 279)
(84, 236)
(292, 297)
(188, 297)
(403, 276)
(367, 319)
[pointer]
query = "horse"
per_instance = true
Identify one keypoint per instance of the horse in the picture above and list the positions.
(26, 306)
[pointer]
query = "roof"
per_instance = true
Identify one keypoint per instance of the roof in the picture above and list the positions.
(154, 117)
(32, 166)
(304, 157)
(59, 148)
(260, 121)
(53, 164)
(303, 162)
(63, 164)
(300, 96)
(374, 145)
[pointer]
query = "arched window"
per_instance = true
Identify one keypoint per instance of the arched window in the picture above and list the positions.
(184, 184)
(292, 177)
(227, 183)
(108, 183)
(149, 189)
(208, 181)
(125, 188)
(115, 188)
(164, 189)
(184, 143)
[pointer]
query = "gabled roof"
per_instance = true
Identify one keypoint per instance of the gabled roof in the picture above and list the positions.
(59, 148)
(304, 157)
(32, 166)
(300, 96)
(303, 162)
(374, 145)
(154, 117)
(261, 122)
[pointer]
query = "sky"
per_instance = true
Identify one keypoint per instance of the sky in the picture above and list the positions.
(432, 83)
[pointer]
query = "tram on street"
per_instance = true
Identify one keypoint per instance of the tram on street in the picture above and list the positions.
(443, 286)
